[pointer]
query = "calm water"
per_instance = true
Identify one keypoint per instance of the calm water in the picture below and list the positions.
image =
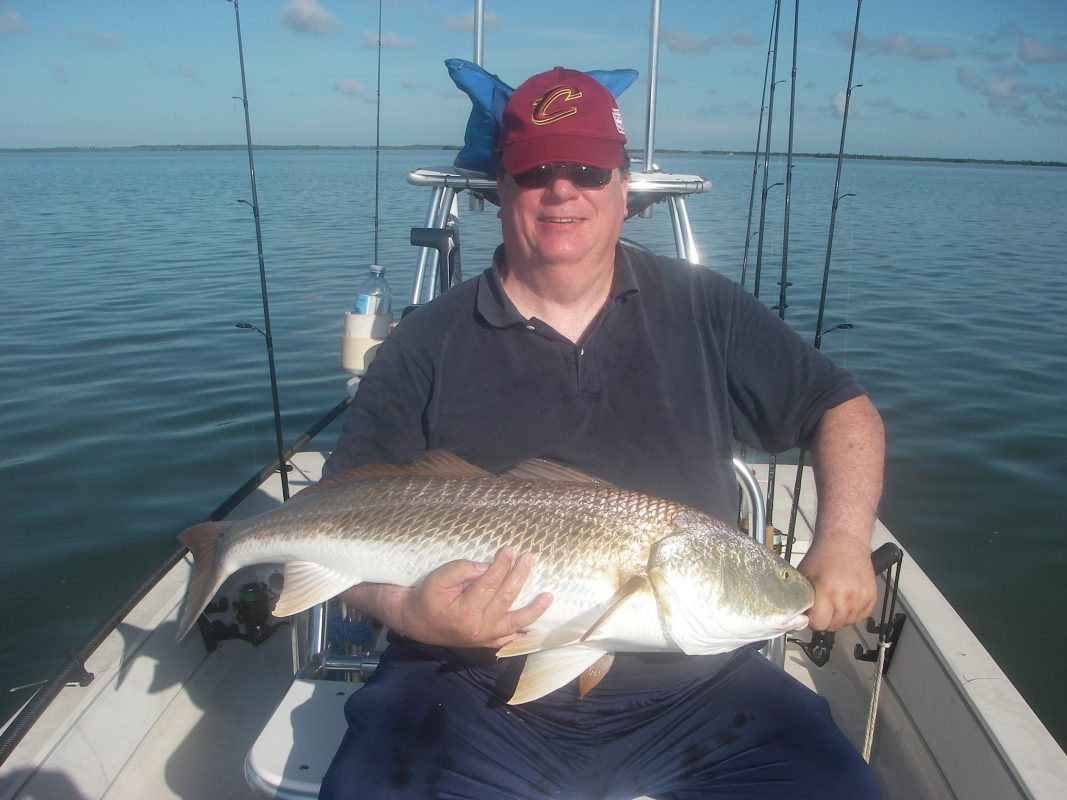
(130, 405)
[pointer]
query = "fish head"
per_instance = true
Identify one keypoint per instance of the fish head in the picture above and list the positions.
(718, 589)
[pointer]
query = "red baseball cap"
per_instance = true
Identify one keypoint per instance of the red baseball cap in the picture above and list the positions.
(561, 115)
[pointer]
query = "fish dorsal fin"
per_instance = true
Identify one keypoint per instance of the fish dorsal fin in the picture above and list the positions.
(541, 469)
(431, 464)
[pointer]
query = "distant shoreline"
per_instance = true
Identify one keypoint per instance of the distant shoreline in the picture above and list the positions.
(445, 147)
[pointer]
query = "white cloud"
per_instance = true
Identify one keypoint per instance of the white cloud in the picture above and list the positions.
(681, 42)
(1034, 52)
(837, 103)
(465, 22)
(308, 16)
(900, 45)
(189, 71)
(346, 86)
(390, 41)
(11, 22)
(968, 77)
(887, 104)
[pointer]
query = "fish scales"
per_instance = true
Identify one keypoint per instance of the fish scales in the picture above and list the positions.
(570, 528)
(627, 571)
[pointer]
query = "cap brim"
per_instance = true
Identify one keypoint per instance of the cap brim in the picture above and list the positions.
(523, 155)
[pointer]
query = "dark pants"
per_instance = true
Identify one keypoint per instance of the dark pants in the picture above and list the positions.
(420, 729)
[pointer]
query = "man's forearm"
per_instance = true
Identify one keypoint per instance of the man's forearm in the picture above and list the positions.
(382, 601)
(848, 455)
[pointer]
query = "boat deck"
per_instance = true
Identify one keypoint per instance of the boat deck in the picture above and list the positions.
(950, 723)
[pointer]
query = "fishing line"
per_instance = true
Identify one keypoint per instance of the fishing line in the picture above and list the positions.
(767, 154)
(783, 282)
(378, 133)
(819, 332)
(266, 332)
(756, 148)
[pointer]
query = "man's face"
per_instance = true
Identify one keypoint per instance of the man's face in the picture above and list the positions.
(561, 223)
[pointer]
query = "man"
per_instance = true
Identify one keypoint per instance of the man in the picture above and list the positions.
(640, 370)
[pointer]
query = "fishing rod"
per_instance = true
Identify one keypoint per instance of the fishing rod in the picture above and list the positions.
(283, 467)
(819, 332)
(772, 56)
(653, 80)
(378, 133)
(767, 153)
(783, 282)
(755, 151)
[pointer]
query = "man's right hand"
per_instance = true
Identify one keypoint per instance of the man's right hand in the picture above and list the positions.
(460, 604)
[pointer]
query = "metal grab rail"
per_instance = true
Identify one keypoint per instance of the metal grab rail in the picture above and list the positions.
(774, 649)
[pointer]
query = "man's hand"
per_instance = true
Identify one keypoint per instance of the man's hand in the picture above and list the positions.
(460, 604)
(844, 581)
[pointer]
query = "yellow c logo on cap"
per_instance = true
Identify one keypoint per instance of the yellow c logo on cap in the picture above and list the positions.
(546, 108)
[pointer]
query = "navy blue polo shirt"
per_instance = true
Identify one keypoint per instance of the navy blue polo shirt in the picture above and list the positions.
(679, 364)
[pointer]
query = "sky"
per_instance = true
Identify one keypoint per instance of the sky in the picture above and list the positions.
(934, 78)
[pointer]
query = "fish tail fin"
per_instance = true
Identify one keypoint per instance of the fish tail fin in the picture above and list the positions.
(201, 540)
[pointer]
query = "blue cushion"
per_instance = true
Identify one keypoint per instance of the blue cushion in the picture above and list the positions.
(489, 95)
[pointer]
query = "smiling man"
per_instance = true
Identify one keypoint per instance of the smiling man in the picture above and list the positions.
(643, 371)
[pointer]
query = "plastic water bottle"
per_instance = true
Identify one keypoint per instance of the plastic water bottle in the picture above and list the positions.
(374, 295)
(367, 325)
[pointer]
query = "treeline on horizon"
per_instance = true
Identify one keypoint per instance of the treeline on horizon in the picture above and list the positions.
(449, 147)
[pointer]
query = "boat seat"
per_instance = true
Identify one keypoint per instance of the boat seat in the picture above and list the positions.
(284, 765)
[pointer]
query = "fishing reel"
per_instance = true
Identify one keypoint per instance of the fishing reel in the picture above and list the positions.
(888, 629)
(251, 610)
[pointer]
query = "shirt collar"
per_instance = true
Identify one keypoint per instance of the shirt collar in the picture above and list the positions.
(495, 308)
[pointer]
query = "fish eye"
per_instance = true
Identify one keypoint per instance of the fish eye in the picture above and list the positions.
(785, 574)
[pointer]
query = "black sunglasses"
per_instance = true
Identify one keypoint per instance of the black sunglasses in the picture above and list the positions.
(581, 175)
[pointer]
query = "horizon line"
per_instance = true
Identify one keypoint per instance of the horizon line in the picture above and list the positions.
(450, 147)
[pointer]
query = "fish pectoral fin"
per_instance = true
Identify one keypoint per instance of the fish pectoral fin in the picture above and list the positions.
(307, 584)
(636, 583)
(533, 642)
(548, 670)
(561, 636)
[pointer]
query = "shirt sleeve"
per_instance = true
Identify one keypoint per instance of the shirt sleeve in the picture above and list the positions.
(779, 385)
(385, 424)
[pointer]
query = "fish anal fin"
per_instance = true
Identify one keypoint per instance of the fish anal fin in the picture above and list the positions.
(431, 464)
(541, 469)
(634, 584)
(307, 584)
(548, 670)
(593, 675)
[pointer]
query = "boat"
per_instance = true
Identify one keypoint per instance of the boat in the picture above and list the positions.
(252, 706)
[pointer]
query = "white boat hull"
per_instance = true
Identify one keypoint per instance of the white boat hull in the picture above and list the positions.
(166, 720)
